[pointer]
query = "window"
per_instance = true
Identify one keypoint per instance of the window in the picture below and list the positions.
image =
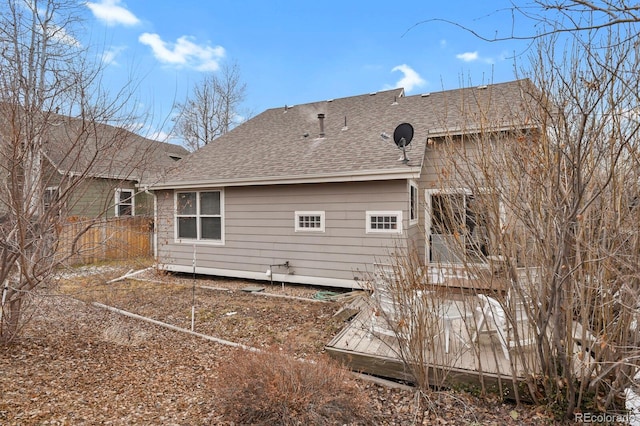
(51, 197)
(199, 215)
(309, 221)
(124, 202)
(384, 221)
(413, 203)
(460, 224)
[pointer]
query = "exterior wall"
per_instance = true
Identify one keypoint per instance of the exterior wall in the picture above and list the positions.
(437, 175)
(259, 231)
(92, 198)
(96, 198)
(416, 232)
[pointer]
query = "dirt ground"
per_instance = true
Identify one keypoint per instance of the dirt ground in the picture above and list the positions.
(78, 364)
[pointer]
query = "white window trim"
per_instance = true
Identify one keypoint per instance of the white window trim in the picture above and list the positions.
(308, 213)
(416, 208)
(179, 240)
(53, 189)
(466, 191)
(397, 213)
(117, 201)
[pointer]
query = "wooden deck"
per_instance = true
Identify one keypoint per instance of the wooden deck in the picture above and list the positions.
(480, 364)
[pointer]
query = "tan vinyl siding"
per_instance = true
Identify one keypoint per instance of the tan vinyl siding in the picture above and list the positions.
(260, 229)
(436, 174)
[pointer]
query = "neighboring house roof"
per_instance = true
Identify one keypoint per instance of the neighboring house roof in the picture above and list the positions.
(77, 147)
(285, 145)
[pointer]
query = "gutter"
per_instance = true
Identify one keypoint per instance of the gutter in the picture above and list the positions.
(457, 131)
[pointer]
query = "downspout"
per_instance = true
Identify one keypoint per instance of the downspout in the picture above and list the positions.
(155, 222)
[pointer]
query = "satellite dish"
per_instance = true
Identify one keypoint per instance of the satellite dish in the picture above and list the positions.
(403, 134)
(402, 137)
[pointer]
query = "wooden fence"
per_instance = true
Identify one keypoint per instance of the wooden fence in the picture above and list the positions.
(105, 239)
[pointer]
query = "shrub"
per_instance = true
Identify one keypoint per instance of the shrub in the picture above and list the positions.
(274, 388)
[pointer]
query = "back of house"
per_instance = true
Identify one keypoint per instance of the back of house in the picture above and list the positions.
(318, 193)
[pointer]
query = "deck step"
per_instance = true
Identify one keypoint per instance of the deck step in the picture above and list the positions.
(352, 308)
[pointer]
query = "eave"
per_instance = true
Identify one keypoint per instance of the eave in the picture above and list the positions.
(364, 176)
(458, 131)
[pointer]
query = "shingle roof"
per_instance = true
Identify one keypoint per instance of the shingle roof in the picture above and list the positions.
(284, 144)
(101, 150)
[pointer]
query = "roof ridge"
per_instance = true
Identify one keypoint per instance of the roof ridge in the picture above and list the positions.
(399, 91)
(474, 87)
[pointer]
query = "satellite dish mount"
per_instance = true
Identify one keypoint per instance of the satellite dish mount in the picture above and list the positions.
(402, 136)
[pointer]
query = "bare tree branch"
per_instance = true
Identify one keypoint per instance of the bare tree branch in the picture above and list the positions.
(212, 109)
(50, 105)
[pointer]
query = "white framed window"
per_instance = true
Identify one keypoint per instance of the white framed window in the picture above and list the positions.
(413, 203)
(459, 222)
(51, 196)
(384, 221)
(199, 216)
(306, 221)
(125, 202)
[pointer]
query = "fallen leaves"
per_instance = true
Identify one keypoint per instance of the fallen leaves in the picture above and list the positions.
(80, 365)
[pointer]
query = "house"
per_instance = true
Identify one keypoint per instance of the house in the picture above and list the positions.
(112, 164)
(318, 193)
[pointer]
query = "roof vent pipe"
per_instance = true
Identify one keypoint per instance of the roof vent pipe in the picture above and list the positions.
(321, 119)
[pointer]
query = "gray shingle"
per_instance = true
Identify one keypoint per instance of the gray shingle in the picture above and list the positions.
(106, 151)
(273, 145)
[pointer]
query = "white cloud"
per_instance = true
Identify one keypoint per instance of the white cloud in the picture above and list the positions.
(112, 13)
(475, 57)
(468, 56)
(147, 131)
(63, 36)
(410, 80)
(158, 135)
(184, 52)
(109, 56)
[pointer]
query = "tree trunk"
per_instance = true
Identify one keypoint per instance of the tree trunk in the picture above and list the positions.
(10, 320)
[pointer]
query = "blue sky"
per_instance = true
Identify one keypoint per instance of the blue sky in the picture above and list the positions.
(294, 52)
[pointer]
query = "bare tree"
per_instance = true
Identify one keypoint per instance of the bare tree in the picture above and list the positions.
(551, 18)
(48, 94)
(558, 201)
(566, 203)
(212, 109)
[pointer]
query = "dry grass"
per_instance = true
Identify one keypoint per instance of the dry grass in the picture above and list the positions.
(76, 364)
(273, 388)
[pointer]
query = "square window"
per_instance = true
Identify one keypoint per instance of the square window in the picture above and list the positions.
(390, 222)
(199, 216)
(211, 228)
(460, 223)
(124, 202)
(187, 203)
(309, 221)
(187, 227)
(210, 203)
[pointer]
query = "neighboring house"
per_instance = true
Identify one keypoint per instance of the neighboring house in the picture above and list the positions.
(316, 194)
(113, 165)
